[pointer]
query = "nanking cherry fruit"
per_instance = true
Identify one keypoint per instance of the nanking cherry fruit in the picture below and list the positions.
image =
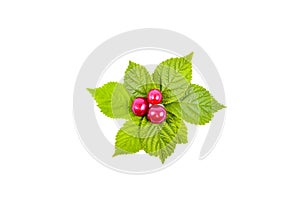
(154, 96)
(156, 114)
(140, 106)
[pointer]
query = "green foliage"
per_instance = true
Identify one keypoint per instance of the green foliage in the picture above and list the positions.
(182, 100)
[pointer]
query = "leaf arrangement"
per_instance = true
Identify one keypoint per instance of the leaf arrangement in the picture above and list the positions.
(182, 101)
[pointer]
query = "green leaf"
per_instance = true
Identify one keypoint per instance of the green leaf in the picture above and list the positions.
(181, 136)
(163, 142)
(173, 76)
(121, 102)
(148, 129)
(172, 83)
(181, 65)
(198, 105)
(127, 139)
(216, 106)
(91, 91)
(137, 80)
(112, 99)
(189, 57)
(176, 110)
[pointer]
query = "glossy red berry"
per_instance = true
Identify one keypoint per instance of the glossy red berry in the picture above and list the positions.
(156, 114)
(139, 106)
(154, 96)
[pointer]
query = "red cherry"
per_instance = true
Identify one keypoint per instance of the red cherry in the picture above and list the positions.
(154, 96)
(139, 106)
(156, 114)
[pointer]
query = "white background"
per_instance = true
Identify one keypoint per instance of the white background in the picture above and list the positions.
(255, 46)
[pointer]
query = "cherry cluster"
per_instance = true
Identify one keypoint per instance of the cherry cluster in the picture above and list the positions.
(151, 106)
